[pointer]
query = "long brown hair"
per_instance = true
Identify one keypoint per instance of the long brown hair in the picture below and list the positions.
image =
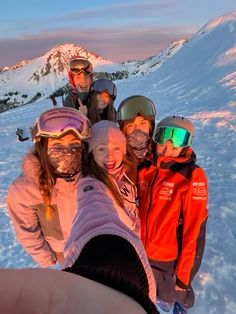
(47, 178)
(94, 170)
(94, 114)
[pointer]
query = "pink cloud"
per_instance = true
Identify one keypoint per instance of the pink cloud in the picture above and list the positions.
(116, 44)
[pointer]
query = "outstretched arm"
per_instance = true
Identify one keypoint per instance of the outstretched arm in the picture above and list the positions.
(52, 291)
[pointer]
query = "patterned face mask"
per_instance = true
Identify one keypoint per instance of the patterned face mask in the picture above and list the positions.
(138, 141)
(66, 160)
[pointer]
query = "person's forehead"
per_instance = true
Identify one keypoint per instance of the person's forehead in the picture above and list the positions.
(103, 93)
(140, 118)
(108, 144)
(137, 119)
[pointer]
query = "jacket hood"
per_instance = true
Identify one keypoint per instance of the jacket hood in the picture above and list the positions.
(31, 165)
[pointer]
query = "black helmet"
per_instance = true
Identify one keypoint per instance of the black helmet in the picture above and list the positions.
(130, 107)
(102, 85)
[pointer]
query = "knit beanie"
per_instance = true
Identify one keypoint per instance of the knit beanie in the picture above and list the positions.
(106, 131)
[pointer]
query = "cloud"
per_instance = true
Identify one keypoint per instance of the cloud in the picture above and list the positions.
(116, 44)
(129, 9)
(148, 11)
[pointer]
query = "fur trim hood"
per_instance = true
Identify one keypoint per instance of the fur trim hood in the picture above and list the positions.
(31, 165)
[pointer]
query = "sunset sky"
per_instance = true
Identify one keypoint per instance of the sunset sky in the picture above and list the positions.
(117, 30)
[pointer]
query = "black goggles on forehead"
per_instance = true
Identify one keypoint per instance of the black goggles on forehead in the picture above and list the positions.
(103, 85)
(135, 106)
(81, 65)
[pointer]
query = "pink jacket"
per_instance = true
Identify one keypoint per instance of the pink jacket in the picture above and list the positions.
(99, 214)
(39, 237)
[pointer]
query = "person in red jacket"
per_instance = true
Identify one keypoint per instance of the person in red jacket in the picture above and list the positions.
(173, 211)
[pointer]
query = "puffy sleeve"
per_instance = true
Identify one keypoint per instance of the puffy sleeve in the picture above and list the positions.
(26, 224)
(96, 215)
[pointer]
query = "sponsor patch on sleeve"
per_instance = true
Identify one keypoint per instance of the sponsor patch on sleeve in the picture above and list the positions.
(199, 191)
(88, 188)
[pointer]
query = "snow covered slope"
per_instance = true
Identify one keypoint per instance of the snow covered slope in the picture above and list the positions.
(199, 81)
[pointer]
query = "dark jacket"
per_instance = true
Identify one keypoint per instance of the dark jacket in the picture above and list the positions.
(73, 99)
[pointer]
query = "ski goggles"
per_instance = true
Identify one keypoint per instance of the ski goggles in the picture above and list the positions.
(134, 106)
(104, 85)
(59, 121)
(179, 137)
(78, 65)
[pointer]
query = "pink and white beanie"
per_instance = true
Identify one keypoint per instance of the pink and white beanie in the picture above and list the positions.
(106, 131)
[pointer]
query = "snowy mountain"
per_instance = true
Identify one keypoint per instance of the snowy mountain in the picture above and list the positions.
(204, 70)
(151, 64)
(32, 80)
(36, 79)
(199, 82)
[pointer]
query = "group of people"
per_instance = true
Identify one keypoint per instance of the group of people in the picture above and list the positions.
(112, 198)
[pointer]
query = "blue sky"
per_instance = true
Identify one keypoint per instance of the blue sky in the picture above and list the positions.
(117, 30)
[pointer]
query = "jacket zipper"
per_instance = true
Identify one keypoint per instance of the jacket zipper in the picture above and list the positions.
(145, 243)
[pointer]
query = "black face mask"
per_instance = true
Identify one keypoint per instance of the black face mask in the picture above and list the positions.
(65, 160)
(139, 141)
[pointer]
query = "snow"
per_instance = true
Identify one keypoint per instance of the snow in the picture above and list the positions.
(192, 83)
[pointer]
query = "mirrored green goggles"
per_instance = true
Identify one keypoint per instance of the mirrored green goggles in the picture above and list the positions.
(179, 137)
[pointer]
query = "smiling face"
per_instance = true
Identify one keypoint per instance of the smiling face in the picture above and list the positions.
(102, 100)
(108, 156)
(139, 123)
(168, 150)
(82, 82)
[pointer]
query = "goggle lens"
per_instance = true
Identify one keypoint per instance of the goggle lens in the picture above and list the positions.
(81, 65)
(136, 106)
(100, 86)
(179, 137)
(56, 122)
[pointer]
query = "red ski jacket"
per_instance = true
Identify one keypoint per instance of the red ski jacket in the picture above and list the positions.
(172, 193)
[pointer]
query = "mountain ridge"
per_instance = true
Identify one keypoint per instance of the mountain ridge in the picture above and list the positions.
(31, 80)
